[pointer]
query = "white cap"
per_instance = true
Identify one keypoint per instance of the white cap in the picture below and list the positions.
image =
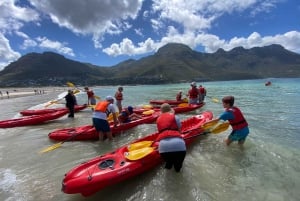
(193, 84)
(108, 98)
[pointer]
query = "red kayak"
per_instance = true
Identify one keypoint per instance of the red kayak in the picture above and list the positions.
(115, 167)
(44, 111)
(88, 132)
(170, 102)
(178, 109)
(32, 120)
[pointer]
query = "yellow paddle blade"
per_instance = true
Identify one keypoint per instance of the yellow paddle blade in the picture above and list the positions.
(98, 97)
(139, 145)
(183, 105)
(209, 124)
(139, 153)
(148, 112)
(215, 100)
(147, 107)
(111, 117)
(76, 91)
(55, 146)
(185, 100)
(70, 84)
(51, 103)
(220, 128)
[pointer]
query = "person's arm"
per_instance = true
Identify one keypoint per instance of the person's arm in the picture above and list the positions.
(178, 122)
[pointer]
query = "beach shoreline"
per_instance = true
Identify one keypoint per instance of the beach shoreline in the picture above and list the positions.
(8, 93)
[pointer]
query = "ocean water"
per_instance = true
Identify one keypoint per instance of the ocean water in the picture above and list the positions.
(266, 168)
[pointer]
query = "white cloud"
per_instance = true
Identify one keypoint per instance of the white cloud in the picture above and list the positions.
(55, 45)
(7, 55)
(95, 17)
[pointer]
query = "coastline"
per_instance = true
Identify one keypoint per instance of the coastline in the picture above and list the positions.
(8, 93)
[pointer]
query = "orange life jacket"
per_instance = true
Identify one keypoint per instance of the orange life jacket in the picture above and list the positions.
(239, 121)
(102, 106)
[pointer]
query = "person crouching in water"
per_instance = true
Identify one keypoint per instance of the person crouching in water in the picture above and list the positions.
(100, 114)
(171, 146)
(128, 115)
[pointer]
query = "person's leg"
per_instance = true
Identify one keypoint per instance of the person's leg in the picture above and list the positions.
(167, 159)
(178, 158)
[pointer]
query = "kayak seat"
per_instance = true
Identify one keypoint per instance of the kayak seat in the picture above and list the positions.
(106, 163)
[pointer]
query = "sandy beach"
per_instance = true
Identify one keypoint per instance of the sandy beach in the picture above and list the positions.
(6, 93)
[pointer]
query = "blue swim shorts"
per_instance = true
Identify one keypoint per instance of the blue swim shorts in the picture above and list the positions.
(239, 135)
(101, 125)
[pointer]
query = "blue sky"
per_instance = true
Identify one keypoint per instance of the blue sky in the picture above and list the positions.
(106, 32)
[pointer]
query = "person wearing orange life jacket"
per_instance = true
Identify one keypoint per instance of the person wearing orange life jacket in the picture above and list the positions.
(171, 146)
(100, 114)
(193, 94)
(119, 98)
(240, 129)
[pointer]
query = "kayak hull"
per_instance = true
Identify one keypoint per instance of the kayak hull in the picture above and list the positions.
(177, 109)
(113, 167)
(45, 111)
(170, 102)
(88, 132)
(32, 120)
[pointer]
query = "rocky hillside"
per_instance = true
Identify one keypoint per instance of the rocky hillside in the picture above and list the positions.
(172, 63)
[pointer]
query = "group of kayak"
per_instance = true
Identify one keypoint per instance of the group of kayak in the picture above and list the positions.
(126, 161)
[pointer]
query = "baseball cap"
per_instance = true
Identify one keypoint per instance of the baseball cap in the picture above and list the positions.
(108, 98)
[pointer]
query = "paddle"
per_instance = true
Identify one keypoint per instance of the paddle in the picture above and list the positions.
(59, 97)
(142, 152)
(206, 126)
(57, 145)
(70, 84)
(215, 100)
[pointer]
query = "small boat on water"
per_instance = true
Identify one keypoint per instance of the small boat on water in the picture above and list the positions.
(49, 110)
(32, 120)
(88, 132)
(268, 83)
(114, 167)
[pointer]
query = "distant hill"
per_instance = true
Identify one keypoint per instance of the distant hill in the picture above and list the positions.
(172, 63)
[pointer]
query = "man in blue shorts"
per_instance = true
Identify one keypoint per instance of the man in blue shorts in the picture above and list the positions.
(100, 114)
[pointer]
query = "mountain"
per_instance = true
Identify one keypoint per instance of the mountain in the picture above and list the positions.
(172, 63)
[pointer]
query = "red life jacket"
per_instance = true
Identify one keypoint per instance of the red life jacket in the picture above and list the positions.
(178, 97)
(167, 126)
(119, 95)
(90, 94)
(202, 90)
(102, 106)
(193, 92)
(239, 121)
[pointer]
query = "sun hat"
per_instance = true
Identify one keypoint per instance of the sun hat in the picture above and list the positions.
(108, 98)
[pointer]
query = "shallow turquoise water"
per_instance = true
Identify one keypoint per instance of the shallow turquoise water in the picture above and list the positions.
(267, 168)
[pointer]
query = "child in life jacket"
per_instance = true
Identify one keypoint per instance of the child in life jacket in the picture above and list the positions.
(128, 115)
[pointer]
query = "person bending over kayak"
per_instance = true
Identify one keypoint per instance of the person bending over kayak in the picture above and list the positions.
(128, 115)
(171, 145)
(100, 114)
(237, 121)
